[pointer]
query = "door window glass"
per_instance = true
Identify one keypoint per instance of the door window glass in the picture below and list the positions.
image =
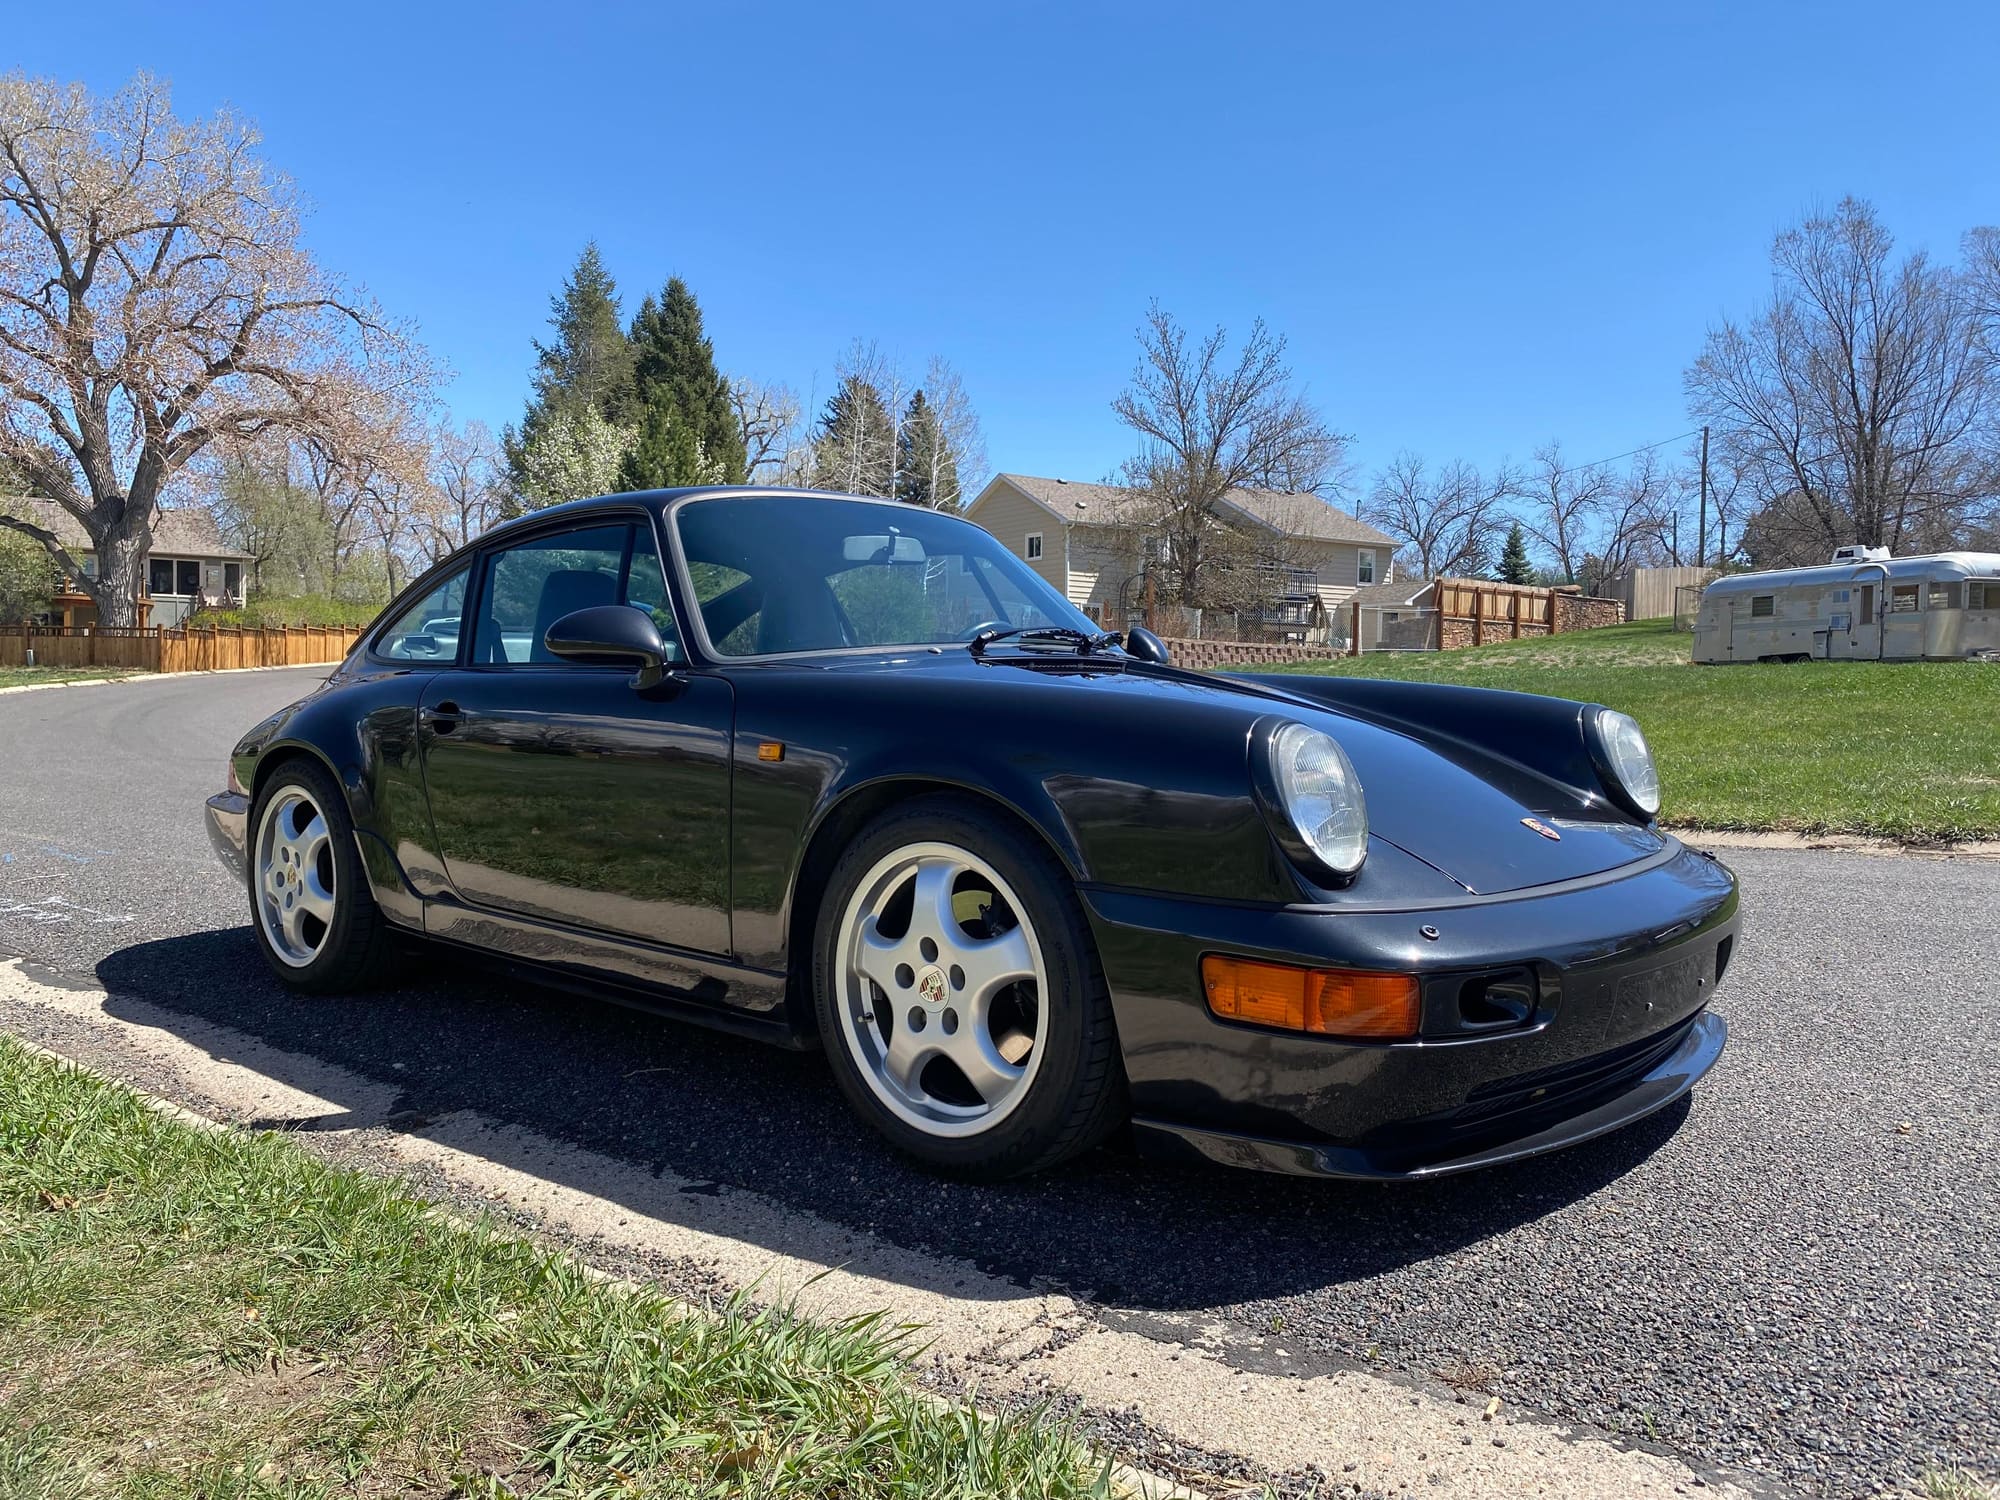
(531, 586)
(428, 629)
(646, 588)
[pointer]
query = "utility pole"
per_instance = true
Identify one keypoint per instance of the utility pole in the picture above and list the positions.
(1701, 524)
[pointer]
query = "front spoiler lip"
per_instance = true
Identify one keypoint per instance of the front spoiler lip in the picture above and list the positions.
(1668, 1080)
(228, 818)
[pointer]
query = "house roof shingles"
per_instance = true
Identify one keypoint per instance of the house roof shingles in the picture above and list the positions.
(188, 532)
(1302, 515)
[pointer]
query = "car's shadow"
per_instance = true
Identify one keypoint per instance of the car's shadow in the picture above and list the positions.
(714, 1109)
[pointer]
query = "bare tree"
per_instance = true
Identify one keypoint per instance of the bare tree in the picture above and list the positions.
(1210, 423)
(1857, 399)
(466, 493)
(1447, 521)
(155, 301)
(1564, 506)
(768, 417)
(945, 463)
(1632, 521)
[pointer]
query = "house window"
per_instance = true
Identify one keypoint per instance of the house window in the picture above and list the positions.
(1763, 606)
(1364, 565)
(1034, 548)
(160, 576)
(1903, 599)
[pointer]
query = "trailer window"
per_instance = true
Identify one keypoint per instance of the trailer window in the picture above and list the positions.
(1763, 606)
(1943, 596)
(1903, 599)
(1983, 593)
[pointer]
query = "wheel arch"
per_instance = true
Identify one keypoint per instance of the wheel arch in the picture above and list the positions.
(387, 881)
(842, 820)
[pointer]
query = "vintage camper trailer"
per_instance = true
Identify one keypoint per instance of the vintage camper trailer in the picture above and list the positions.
(1859, 607)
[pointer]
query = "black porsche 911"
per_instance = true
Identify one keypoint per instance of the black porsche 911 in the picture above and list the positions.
(846, 773)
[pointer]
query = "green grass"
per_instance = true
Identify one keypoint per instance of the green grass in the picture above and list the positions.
(185, 1312)
(31, 676)
(1902, 750)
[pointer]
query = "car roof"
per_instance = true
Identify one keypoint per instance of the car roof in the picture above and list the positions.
(659, 499)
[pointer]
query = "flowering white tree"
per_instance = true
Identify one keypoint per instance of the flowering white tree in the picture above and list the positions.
(156, 302)
(577, 453)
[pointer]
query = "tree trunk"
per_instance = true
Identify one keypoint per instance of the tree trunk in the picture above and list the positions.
(121, 562)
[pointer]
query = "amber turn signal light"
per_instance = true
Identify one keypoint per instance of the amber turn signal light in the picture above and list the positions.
(1328, 1002)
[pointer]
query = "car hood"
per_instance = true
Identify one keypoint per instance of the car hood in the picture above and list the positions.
(1467, 813)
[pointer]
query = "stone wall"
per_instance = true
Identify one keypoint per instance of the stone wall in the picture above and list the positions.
(1203, 656)
(1575, 612)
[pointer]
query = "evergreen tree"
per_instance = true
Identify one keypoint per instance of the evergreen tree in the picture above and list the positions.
(855, 447)
(590, 359)
(666, 452)
(1514, 564)
(927, 467)
(586, 367)
(674, 367)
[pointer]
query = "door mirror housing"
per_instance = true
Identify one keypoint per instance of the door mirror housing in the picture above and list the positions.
(612, 635)
(1142, 643)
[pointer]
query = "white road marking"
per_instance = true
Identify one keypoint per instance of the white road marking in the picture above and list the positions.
(1006, 1340)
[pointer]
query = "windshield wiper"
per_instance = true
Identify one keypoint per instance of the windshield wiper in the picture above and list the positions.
(1028, 634)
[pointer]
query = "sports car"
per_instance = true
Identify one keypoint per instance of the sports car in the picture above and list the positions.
(848, 774)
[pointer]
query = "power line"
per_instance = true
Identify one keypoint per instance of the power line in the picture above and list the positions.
(1642, 448)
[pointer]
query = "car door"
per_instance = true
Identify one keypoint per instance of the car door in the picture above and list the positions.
(558, 790)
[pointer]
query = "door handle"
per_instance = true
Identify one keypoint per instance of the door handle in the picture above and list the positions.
(442, 719)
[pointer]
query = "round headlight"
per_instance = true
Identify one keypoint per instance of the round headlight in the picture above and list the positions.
(1630, 760)
(1322, 796)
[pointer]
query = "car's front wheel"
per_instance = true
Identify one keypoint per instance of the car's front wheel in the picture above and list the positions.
(310, 905)
(959, 995)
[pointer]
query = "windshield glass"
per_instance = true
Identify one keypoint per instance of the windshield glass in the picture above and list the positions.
(776, 574)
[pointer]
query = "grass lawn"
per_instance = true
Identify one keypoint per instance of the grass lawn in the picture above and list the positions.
(1902, 750)
(27, 676)
(185, 1312)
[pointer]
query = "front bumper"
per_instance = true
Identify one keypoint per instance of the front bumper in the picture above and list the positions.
(1619, 971)
(228, 819)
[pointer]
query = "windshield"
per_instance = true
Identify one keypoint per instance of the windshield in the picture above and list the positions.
(777, 574)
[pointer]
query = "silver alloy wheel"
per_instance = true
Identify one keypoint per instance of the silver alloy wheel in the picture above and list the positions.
(938, 964)
(294, 874)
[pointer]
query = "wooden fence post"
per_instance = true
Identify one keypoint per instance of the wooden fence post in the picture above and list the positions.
(1479, 617)
(1354, 638)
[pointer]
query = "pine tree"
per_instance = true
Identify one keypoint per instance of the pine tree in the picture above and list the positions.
(590, 359)
(586, 367)
(674, 366)
(855, 447)
(927, 468)
(666, 452)
(1514, 564)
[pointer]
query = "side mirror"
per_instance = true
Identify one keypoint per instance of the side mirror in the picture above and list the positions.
(611, 635)
(1142, 643)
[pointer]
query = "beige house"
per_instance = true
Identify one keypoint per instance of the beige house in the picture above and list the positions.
(188, 567)
(1080, 537)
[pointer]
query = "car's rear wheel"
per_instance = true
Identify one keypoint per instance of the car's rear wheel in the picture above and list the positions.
(310, 905)
(959, 994)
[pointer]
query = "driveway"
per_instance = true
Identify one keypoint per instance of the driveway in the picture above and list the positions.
(1794, 1276)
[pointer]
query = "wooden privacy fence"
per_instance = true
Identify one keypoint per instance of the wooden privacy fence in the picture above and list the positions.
(154, 649)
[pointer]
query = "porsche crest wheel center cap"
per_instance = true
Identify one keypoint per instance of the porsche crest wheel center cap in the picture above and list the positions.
(931, 987)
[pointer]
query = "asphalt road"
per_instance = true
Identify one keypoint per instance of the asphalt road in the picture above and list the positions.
(1796, 1275)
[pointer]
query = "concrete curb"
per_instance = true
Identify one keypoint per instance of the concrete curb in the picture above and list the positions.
(1127, 1482)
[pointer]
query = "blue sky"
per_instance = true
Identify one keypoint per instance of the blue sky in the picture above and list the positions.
(1479, 226)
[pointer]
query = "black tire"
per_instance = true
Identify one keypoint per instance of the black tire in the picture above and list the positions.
(359, 945)
(1077, 1095)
